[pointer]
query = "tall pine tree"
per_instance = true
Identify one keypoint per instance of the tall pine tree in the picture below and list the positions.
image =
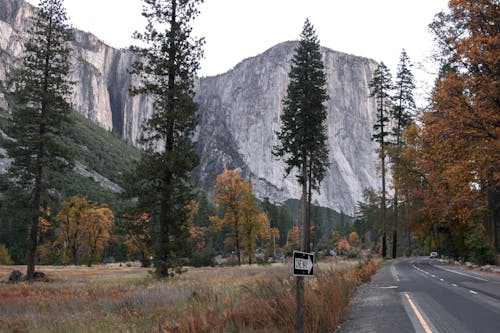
(166, 70)
(380, 89)
(40, 112)
(303, 135)
(404, 104)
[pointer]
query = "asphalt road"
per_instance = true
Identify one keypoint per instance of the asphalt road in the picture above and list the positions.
(421, 295)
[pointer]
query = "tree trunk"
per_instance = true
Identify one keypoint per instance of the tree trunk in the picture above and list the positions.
(384, 207)
(303, 247)
(236, 237)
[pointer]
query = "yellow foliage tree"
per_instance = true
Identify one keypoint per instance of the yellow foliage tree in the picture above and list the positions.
(242, 213)
(97, 228)
(293, 239)
(354, 238)
(84, 229)
(4, 256)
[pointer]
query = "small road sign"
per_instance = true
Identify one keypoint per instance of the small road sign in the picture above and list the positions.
(303, 263)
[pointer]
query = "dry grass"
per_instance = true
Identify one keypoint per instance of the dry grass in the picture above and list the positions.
(126, 299)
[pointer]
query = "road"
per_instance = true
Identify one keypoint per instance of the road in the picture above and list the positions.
(420, 295)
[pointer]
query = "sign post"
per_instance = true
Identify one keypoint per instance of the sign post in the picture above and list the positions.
(303, 263)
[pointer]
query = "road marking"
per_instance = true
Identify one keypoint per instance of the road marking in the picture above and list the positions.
(418, 314)
(433, 275)
(460, 273)
(473, 292)
(454, 285)
(441, 280)
(394, 273)
(389, 287)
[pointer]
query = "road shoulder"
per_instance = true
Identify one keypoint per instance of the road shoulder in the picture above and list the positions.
(374, 303)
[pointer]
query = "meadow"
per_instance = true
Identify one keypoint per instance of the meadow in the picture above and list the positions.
(114, 298)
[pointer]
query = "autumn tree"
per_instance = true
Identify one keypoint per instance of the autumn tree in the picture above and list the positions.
(242, 213)
(380, 89)
(354, 238)
(4, 256)
(293, 239)
(84, 230)
(97, 225)
(41, 112)
(463, 130)
(403, 105)
(343, 245)
(166, 70)
(138, 239)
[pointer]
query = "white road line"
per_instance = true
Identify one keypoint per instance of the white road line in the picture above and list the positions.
(441, 280)
(473, 292)
(425, 326)
(460, 273)
(454, 285)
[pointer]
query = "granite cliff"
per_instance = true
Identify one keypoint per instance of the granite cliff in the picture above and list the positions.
(239, 111)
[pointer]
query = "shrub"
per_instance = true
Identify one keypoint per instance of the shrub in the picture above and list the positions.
(478, 247)
(4, 256)
(203, 257)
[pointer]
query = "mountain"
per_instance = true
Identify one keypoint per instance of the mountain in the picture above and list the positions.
(239, 111)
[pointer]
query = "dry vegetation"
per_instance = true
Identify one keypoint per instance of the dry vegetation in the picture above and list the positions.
(126, 299)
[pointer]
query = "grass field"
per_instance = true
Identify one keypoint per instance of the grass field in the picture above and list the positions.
(110, 298)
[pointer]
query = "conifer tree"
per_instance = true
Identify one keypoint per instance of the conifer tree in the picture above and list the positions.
(380, 89)
(166, 69)
(401, 115)
(40, 113)
(303, 135)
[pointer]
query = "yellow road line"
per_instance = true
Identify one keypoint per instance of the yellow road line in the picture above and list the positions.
(418, 314)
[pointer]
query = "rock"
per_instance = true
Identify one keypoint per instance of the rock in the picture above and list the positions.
(15, 276)
(40, 276)
(239, 111)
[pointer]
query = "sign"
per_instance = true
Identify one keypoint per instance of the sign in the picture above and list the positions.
(303, 263)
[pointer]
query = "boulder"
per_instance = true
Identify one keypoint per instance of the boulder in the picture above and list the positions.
(15, 276)
(40, 276)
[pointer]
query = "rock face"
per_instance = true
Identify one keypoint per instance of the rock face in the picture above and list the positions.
(239, 111)
(240, 114)
(100, 73)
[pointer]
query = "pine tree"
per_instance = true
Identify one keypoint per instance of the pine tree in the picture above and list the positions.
(41, 112)
(401, 115)
(303, 135)
(166, 71)
(380, 88)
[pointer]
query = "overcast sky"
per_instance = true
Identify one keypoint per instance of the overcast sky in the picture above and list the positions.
(238, 29)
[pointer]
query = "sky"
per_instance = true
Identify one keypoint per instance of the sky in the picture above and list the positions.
(238, 29)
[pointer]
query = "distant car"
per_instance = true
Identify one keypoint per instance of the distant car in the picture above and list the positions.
(434, 255)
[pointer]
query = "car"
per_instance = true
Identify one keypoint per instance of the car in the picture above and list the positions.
(434, 255)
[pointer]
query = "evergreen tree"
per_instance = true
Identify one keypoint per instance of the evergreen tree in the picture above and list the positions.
(303, 136)
(40, 113)
(380, 88)
(401, 114)
(166, 71)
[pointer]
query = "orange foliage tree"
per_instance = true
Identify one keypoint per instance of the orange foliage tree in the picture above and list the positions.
(293, 240)
(242, 213)
(84, 230)
(461, 136)
(138, 239)
(343, 245)
(354, 238)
